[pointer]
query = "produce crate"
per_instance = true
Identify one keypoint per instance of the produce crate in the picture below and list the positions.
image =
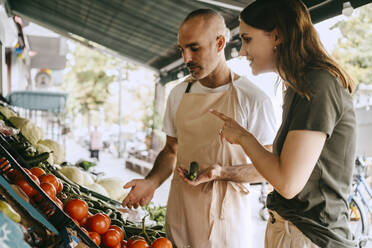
(59, 219)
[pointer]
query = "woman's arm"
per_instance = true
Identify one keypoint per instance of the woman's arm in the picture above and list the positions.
(288, 173)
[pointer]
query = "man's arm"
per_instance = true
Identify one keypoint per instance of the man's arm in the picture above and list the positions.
(165, 162)
(242, 173)
(142, 190)
(238, 173)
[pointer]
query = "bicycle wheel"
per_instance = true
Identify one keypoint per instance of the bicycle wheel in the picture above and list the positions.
(359, 223)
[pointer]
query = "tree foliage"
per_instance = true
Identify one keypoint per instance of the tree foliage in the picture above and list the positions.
(354, 48)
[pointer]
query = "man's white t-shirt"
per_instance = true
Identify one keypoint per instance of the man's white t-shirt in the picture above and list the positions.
(258, 113)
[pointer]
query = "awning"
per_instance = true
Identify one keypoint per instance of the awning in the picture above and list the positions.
(142, 30)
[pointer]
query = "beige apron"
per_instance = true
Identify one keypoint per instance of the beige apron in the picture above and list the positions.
(215, 214)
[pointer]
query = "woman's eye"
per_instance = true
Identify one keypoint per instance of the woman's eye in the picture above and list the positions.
(246, 39)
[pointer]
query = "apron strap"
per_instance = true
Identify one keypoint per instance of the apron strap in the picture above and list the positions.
(188, 87)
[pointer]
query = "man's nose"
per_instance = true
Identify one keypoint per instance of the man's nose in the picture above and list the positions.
(187, 57)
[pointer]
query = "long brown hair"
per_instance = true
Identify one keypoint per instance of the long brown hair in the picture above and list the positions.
(300, 50)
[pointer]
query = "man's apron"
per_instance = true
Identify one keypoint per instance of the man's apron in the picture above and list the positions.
(214, 214)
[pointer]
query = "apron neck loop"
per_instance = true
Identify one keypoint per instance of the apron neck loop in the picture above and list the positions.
(189, 84)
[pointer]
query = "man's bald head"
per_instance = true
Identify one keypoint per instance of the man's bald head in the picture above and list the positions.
(202, 38)
(212, 22)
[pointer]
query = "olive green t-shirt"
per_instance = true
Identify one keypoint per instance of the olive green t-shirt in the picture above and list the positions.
(320, 210)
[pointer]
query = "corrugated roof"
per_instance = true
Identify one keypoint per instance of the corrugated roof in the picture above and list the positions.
(142, 30)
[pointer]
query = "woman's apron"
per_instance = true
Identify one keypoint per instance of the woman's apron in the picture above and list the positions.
(214, 214)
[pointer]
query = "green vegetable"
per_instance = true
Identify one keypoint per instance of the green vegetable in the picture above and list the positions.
(193, 171)
(157, 213)
(35, 160)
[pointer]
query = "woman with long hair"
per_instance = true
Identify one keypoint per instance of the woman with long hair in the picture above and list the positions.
(311, 164)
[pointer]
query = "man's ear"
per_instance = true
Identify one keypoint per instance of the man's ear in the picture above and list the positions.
(220, 43)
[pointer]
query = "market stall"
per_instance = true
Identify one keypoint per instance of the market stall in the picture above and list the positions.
(43, 201)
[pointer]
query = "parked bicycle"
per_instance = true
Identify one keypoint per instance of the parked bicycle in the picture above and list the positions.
(360, 204)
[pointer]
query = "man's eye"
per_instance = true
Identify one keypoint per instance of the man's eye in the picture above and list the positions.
(194, 49)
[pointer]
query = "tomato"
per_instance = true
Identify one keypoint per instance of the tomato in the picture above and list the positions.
(49, 178)
(59, 203)
(76, 209)
(111, 238)
(95, 237)
(84, 230)
(36, 180)
(37, 171)
(27, 171)
(162, 243)
(117, 228)
(12, 175)
(141, 243)
(84, 220)
(108, 220)
(76, 222)
(49, 189)
(25, 186)
(60, 186)
(98, 223)
(123, 244)
(132, 239)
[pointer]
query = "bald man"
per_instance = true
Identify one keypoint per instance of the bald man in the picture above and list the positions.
(213, 210)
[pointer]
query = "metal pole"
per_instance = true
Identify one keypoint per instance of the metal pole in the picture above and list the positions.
(120, 77)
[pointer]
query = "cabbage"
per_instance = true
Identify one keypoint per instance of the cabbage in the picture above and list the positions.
(58, 151)
(88, 179)
(7, 112)
(41, 148)
(73, 173)
(18, 122)
(28, 129)
(114, 188)
(98, 188)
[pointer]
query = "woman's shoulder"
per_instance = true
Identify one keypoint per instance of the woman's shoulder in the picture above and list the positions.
(321, 79)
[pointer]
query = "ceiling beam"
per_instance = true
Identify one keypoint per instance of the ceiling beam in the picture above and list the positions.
(228, 4)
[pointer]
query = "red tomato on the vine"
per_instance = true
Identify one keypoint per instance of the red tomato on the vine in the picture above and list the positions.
(37, 171)
(95, 237)
(141, 243)
(162, 243)
(76, 208)
(98, 223)
(134, 238)
(111, 238)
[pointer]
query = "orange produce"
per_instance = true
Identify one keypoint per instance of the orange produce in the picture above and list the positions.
(98, 223)
(162, 243)
(141, 243)
(49, 189)
(49, 178)
(37, 171)
(117, 228)
(132, 239)
(111, 238)
(76, 209)
(95, 237)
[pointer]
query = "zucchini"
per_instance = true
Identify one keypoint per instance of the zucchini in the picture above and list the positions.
(35, 160)
(193, 171)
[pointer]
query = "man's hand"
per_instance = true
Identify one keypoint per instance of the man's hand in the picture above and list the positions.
(209, 174)
(141, 193)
